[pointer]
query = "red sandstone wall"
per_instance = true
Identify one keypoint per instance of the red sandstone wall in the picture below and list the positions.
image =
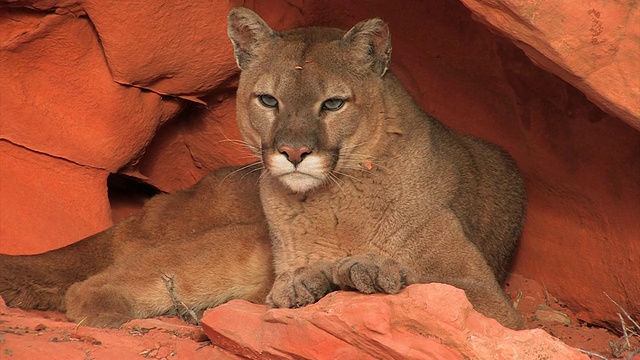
(83, 92)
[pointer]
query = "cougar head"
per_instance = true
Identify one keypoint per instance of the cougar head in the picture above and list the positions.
(310, 100)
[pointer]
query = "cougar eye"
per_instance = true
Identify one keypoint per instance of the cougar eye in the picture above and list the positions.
(268, 101)
(333, 104)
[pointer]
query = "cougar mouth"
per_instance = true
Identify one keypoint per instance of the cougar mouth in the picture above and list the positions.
(310, 172)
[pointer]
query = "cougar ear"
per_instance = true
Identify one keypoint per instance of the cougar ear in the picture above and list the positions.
(248, 33)
(370, 42)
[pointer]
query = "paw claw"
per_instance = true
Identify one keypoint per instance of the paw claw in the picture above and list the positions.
(370, 274)
(304, 286)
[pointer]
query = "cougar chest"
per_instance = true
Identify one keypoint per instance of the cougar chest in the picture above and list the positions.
(336, 221)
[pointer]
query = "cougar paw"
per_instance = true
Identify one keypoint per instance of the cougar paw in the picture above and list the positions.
(370, 274)
(301, 287)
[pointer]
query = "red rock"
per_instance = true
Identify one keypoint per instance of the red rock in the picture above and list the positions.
(199, 140)
(593, 46)
(69, 201)
(181, 48)
(432, 321)
(81, 115)
(24, 335)
(581, 201)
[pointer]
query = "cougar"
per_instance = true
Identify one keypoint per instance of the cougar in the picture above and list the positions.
(359, 190)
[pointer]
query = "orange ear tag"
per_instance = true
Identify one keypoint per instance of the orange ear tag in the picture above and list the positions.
(298, 67)
(368, 165)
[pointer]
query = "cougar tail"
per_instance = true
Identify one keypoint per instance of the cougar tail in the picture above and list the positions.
(41, 281)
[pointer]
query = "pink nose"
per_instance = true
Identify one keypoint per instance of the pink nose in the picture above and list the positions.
(295, 156)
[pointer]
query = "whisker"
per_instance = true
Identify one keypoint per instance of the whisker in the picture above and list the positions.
(347, 175)
(266, 170)
(236, 141)
(356, 157)
(252, 171)
(351, 153)
(241, 169)
(249, 157)
(332, 173)
(347, 147)
(240, 144)
(233, 141)
(334, 179)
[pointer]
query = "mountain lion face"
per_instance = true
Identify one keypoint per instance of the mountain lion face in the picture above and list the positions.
(309, 102)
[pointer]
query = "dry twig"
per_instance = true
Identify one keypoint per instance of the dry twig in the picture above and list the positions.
(182, 310)
(593, 354)
(635, 323)
(617, 348)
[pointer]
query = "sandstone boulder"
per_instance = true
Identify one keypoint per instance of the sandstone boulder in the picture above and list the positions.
(593, 46)
(433, 321)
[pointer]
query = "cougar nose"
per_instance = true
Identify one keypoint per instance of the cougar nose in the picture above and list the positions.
(295, 156)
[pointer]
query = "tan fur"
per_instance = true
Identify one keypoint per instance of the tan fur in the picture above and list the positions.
(373, 195)
(211, 238)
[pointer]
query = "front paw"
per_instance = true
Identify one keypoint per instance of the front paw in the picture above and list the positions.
(369, 274)
(301, 287)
